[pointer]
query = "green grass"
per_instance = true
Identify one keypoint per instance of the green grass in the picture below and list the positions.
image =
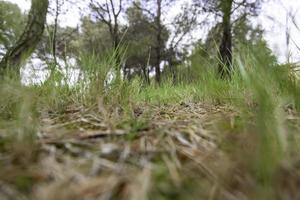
(257, 137)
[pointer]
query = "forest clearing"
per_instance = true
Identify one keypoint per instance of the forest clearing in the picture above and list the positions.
(116, 110)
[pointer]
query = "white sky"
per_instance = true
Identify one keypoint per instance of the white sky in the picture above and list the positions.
(272, 18)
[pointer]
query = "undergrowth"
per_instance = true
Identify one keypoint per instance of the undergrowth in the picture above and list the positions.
(259, 138)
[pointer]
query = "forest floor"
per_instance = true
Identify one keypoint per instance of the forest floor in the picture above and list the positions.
(178, 151)
(170, 152)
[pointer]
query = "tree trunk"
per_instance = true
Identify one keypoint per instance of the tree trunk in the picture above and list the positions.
(158, 43)
(225, 49)
(116, 46)
(26, 44)
(116, 40)
(172, 65)
(146, 74)
(54, 34)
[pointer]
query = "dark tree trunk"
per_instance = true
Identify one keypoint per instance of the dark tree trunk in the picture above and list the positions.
(117, 51)
(146, 75)
(29, 39)
(116, 46)
(172, 65)
(173, 69)
(116, 40)
(225, 49)
(55, 33)
(158, 43)
(157, 70)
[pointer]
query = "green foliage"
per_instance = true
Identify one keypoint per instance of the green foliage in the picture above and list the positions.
(95, 37)
(140, 37)
(67, 43)
(11, 24)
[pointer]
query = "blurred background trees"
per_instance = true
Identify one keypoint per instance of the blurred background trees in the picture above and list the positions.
(158, 44)
(26, 43)
(11, 25)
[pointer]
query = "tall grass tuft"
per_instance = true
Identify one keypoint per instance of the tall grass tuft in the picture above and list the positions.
(19, 121)
(268, 116)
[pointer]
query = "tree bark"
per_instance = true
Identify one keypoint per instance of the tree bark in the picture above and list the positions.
(146, 75)
(54, 34)
(225, 49)
(26, 44)
(158, 43)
